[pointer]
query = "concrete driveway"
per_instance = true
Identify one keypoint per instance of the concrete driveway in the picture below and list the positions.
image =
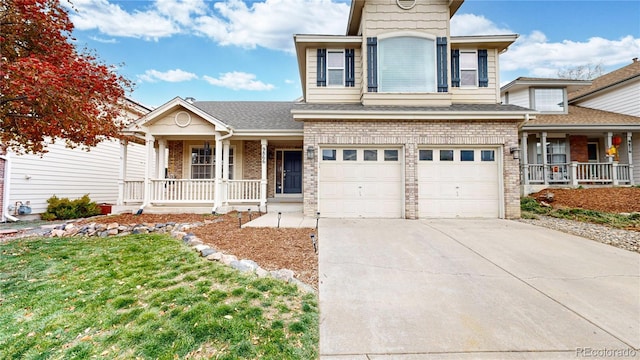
(473, 289)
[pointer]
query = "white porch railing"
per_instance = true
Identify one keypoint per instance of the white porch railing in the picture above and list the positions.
(243, 190)
(578, 173)
(133, 191)
(183, 190)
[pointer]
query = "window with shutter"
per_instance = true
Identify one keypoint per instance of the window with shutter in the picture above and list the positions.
(372, 64)
(468, 68)
(455, 68)
(442, 64)
(335, 67)
(483, 69)
(350, 76)
(407, 64)
(321, 68)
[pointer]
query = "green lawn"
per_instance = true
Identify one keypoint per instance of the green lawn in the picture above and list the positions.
(143, 296)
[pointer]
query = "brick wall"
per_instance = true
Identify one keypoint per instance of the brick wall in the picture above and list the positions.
(176, 158)
(252, 164)
(579, 148)
(410, 135)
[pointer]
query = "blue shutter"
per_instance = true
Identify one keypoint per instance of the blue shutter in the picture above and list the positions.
(349, 63)
(372, 64)
(455, 68)
(322, 68)
(483, 69)
(442, 61)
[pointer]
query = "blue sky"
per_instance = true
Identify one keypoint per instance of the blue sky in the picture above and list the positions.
(243, 49)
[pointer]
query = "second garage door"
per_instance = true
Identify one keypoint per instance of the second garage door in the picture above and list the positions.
(458, 183)
(361, 183)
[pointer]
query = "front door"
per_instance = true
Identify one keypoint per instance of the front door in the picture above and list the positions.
(290, 177)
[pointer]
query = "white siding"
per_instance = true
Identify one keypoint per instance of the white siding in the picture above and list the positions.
(72, 173)
(520, 98)
(622, 100)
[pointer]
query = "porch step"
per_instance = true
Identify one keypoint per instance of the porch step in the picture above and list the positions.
(284, 207)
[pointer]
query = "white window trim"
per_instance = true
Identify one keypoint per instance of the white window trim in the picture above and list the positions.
(343, 67)
(232, 171)
(475, 68)
(416, 34)
(532, 100)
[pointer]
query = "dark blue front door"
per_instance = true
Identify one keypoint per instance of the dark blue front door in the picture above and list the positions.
(292, 172)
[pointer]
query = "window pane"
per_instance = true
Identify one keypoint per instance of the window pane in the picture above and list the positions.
(549, 99)
(468, 78)
(391, 155)
(406, 64)
(371, 155)
(466, 155)
(336, 77)
(335, 59)
(592, 149)
(328, 154)
(426, 155)
(488, 155)
(446, 155)
(468, 60)
(349, 155)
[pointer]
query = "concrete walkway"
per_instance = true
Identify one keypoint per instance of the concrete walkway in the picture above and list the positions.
(287, 220)
(473, 289)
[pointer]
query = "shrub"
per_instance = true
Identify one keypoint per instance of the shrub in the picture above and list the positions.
(64, 209)
(531, 205)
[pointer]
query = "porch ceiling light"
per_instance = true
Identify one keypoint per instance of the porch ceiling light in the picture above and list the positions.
(515, 151)
(310, 152)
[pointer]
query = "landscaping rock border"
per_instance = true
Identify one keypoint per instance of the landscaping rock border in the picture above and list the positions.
(179, 231)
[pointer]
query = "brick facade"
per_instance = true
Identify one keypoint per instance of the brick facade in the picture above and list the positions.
(252, 165)
(176, 158)
(579, 148)
(410, 135)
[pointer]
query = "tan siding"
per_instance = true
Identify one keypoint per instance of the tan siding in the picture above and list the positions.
(382, 16)
(167, 126)
(520, 98)
(332, 94)
(623, 100)
(484, 95)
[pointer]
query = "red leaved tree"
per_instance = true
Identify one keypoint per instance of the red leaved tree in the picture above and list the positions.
(49, 90)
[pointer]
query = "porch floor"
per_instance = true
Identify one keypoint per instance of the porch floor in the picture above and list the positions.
(287, 220)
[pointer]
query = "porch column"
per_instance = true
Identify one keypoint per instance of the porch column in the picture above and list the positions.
(608, 145)
(122, 176)
(263, 179)
(524, 159)
(225, 171)
(162, 160)
(545, 168)
(630, 157)
(218, 173)
(149, 146)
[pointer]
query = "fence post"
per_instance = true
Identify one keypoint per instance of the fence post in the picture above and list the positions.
(574, 173)
(614, 173)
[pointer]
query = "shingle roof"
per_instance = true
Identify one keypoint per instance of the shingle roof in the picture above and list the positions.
(390, 108)
(606, 80)
(585, 117)
(252, 115)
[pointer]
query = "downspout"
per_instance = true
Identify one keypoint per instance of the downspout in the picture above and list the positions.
(5, 192)
(230, 134)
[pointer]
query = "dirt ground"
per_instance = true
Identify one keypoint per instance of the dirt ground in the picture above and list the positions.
(271, 248)
(616, 200)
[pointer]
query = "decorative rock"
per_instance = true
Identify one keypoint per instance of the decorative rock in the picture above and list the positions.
(262, 273)
(242, 267)
(207, 252)
(101, 227)
(178, 234)
(194, 242)
(302, 286)
(113, 231)
(217, 256)
(282, 274)
(201, 247)
(57, 233)
(252, 264)
(228, 259)
(112, 226)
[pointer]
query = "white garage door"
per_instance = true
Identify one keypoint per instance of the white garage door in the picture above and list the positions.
(458, 183)
(361, 183)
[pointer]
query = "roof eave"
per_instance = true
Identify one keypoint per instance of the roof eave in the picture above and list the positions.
(500, 42)
(409, 115)
(582, 127)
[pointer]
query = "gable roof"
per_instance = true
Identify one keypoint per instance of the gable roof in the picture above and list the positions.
(527, 82)
(252, 115)
(613, 78)
(584, 118)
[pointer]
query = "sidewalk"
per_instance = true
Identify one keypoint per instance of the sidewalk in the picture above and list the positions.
(287, 220)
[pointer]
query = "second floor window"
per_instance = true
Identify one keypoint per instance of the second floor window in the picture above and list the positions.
(335, 68)
(406, 64)
(548, 100)
(468, 69)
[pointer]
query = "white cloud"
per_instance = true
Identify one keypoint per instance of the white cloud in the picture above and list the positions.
(176, 75)
(470, 24)
(181, 10)
(237, 80)
(112, 20)
(102, 40)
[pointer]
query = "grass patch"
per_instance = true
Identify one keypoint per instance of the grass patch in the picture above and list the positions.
(530, 209)
(144, 296)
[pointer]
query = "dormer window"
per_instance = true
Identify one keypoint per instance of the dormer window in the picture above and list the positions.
(468, 68)
(335, 68)
(548, 100)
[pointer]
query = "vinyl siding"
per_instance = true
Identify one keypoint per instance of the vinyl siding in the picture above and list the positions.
(382, 16)
(332, 94)
(520, 98)
(479, 95)
(622, 100)
(636, 157)
(72, 173)
(167, 126)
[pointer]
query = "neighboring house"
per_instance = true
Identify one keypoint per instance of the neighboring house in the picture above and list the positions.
(29, 180)
(398, 119)
(578, 123)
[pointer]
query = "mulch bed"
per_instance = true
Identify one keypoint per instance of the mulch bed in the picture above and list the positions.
(615, 200)
(271, 248)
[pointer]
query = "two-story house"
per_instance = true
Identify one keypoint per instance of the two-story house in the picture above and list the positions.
(585, 132)
(398, 119)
